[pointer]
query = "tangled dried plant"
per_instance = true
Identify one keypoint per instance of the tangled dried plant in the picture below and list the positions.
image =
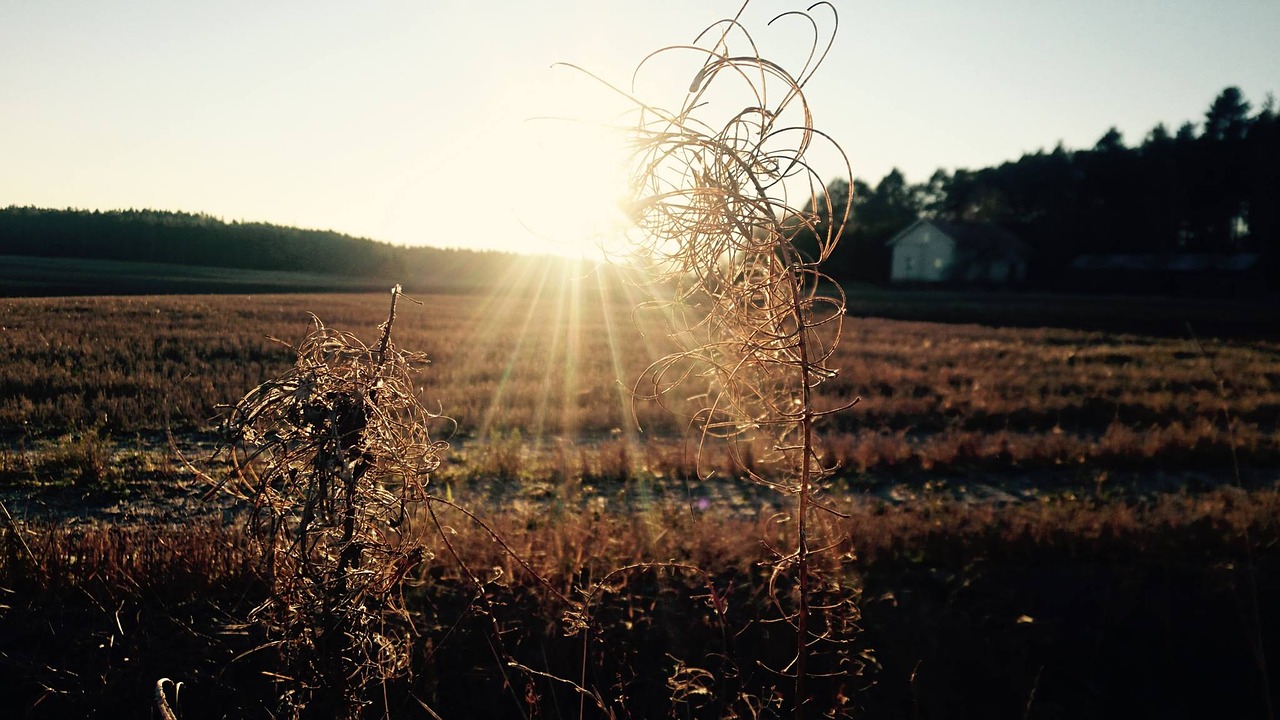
(734, 264)
(334, 456)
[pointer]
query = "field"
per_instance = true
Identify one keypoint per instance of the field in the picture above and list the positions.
(1042, 522)
(22, 276)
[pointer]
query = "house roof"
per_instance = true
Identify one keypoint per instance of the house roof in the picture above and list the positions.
(980, 238)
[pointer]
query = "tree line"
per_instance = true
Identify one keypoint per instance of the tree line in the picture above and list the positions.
(1207, 188)
(203, 240)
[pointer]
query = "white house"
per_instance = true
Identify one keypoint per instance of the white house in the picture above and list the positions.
(936, 251)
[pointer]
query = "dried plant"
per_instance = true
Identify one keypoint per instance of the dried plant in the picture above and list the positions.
(723, 242)
(334, 456)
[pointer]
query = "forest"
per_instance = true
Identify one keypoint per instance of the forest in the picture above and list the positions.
(181, 238)
(1207, 188)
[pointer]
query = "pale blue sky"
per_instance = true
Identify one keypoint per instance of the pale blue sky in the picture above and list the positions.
(409, 121)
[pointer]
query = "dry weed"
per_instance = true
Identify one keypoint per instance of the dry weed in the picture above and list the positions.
(718, 187)
(334, 456)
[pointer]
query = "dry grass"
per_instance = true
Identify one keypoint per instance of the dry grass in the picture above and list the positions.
(577, 545)
(48, 562)
(934, 396)
(931, 571)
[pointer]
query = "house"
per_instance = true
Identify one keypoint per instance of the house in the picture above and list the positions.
(938, 251)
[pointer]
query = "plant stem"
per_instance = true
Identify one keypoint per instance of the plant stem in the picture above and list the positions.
(802, 498)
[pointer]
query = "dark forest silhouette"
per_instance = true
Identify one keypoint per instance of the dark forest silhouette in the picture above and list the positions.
(202, 240)
(1212, 188)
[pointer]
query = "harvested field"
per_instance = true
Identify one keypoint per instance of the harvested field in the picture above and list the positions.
(528, 370)
(1041, 521)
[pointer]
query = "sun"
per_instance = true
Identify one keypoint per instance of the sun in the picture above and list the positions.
(545, 166)
(569, 184)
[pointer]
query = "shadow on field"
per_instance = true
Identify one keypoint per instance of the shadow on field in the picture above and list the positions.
(1080, 610)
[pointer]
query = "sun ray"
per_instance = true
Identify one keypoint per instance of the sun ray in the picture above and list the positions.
(625, 428)
(573, 349)
(507, 291)
(495, 404)
(557, 337)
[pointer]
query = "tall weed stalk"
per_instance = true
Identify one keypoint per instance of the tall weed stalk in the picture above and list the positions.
(731, 231)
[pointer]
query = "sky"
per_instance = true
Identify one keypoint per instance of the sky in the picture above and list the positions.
(426, 122)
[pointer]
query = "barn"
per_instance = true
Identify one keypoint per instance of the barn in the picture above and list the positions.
(939, 251)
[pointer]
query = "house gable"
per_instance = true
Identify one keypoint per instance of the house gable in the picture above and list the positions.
(921, 253)
(939, 251)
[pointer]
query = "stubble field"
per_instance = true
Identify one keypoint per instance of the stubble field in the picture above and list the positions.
(546, 368)
(1042, 522)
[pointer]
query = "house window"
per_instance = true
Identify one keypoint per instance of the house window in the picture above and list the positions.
(937, 263)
